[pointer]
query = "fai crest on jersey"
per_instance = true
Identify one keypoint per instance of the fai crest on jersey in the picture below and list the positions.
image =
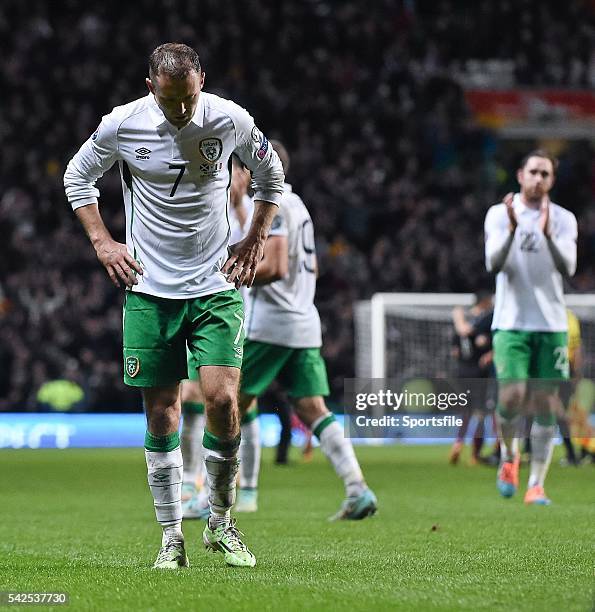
(211, 149)
(132, 366)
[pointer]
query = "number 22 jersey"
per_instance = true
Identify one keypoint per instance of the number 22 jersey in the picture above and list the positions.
(529, 288)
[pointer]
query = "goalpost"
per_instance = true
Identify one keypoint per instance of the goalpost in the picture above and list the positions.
(404, 335)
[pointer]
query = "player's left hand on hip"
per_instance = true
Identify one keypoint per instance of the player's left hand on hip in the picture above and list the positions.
(240, 268)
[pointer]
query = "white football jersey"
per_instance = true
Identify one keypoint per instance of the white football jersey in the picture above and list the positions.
(283, 312)
(176, 187)
(238, 232)
(529, 288)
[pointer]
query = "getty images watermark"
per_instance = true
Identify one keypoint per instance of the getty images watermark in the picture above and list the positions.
(421, 408)
(437, 408)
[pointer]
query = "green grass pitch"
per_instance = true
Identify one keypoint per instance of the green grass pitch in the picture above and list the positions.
(82, 521)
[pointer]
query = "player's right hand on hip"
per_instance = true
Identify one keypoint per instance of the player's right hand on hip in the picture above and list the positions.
(119, 263)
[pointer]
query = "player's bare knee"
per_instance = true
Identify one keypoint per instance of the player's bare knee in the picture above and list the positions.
(512, 397)
(162, 406)
(512, 402)
(161, 397)
(544, 402)
(191, 391)
(309, 409)
(222, 413)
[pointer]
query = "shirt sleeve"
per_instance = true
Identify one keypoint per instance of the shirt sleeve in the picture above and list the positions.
(96, 156)
(496, 236)
(254, 149)
(564, 237)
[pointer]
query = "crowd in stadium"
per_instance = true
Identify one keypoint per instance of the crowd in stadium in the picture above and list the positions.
(394, 169)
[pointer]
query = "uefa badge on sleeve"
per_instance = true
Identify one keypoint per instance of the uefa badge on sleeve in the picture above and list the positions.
(132, 366)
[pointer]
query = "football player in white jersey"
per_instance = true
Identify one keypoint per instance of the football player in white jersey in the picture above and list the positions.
(531, 246)
(173, 148)
(283, 339)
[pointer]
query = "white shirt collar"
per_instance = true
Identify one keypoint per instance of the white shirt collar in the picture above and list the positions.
(520, 207)
(159, 118)
(199, 114)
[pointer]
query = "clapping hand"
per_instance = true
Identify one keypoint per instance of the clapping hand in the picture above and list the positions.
(508, 199)
(544, 217)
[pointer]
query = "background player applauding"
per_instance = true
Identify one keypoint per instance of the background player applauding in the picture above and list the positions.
(531, 245)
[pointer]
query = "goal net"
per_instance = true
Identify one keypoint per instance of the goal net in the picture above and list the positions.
(409, 335)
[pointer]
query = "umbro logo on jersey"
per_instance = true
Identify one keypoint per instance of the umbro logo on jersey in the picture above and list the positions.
(239, 351)
(142, 153)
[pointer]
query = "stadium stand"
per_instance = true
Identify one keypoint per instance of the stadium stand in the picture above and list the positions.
(395, 169)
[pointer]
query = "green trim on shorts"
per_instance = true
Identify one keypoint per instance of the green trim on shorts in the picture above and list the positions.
(193, 408)
(301, 371)
(323, 425)
(157, 332)
(213, 442)
(162, 444)
(250, 416)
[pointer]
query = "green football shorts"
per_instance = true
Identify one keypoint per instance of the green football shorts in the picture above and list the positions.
(521, 355)
(300, 370)
(158, 330)
(192, 367)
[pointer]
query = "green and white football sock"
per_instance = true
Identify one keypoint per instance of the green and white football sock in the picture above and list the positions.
(222, 464)
(164, 472)
(250, 450)
(202, 497)
(173, 532)
(339, 451)
(508, 432)
(542, 448)
(193, 426)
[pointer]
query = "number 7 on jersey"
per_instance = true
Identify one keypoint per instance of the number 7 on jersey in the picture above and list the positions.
(181, 168)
